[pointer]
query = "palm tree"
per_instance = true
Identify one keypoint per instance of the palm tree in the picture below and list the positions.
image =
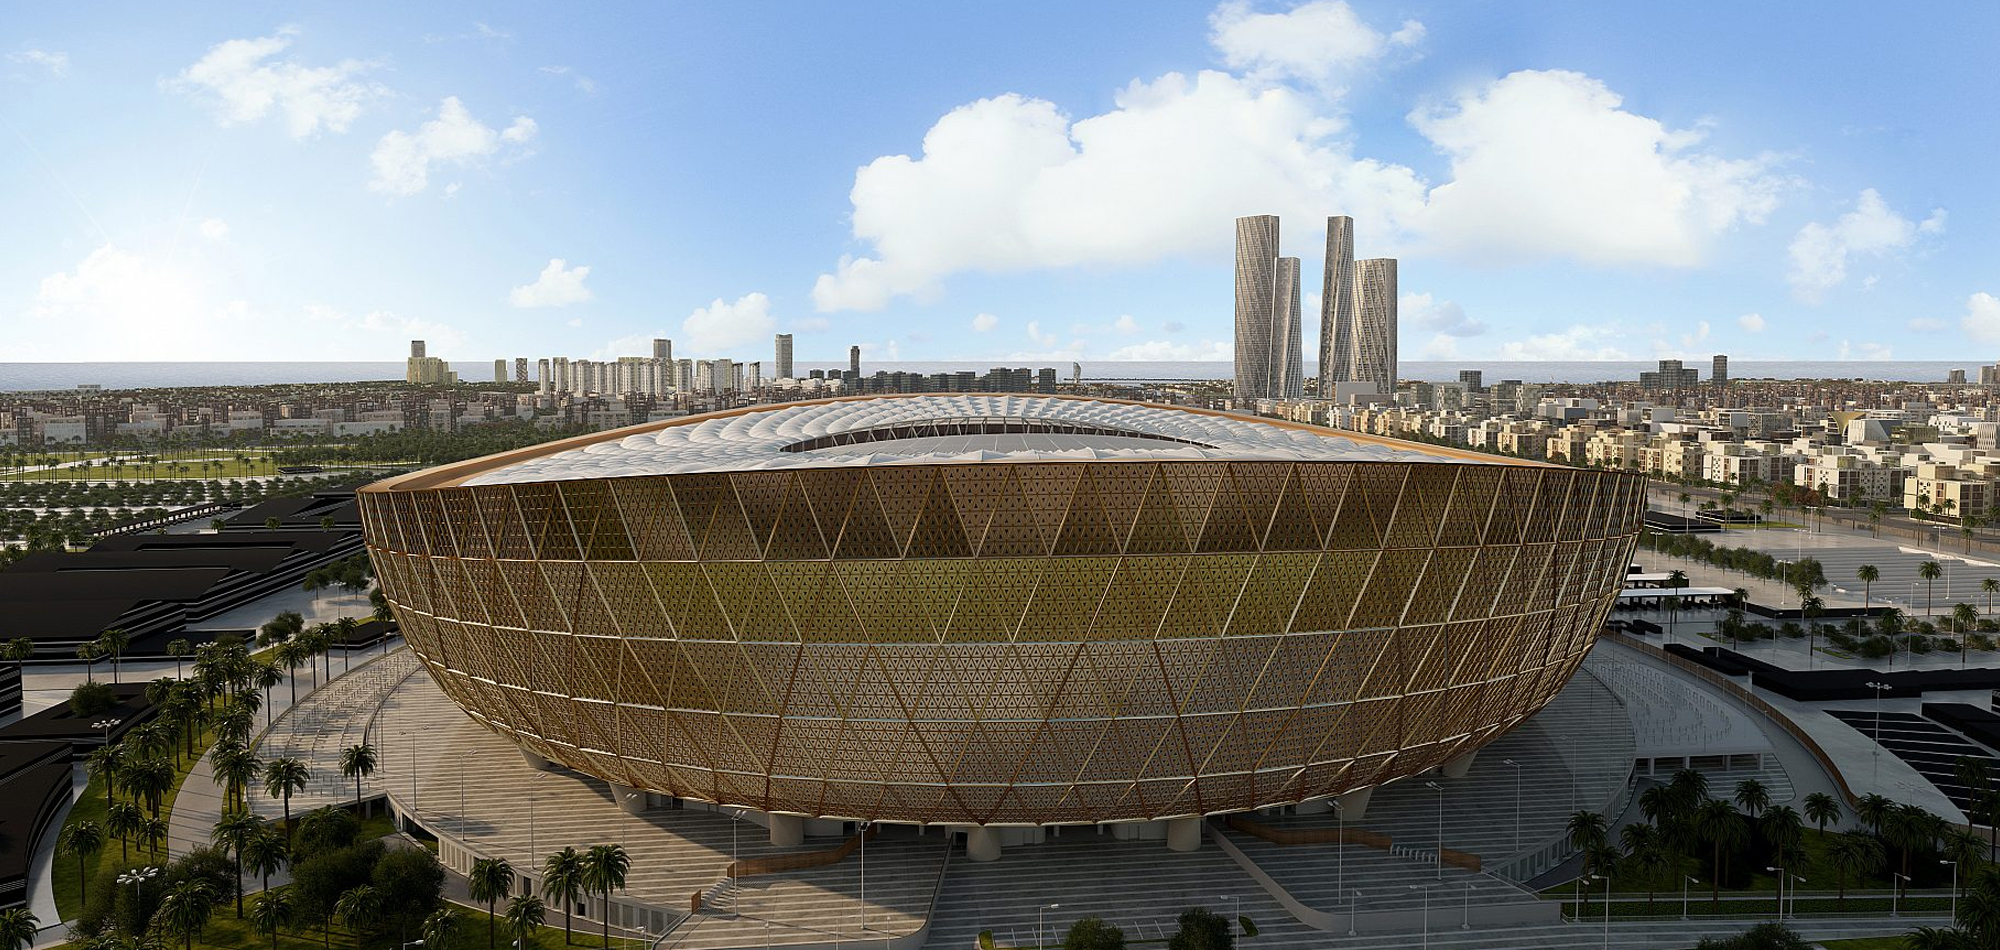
(186, 908)
(271, 913)
(357, 763)
(1937, 938)
(291, 654)
(441, 926)
(177, 648)
(88, 653)
(604, 868)
(1822, 810)
(562, 882)
(83, 839)
(1752, 796)
(283, 777)
(1873, 810)
(1855, 855)
(106, 763)
(122, 820)
(1907, 830)
(490, 880)
(1989, 587)
(150, 779)
(235, 767)
(1964, 619)
(1930, 572)
(1676, 579)
(114, 641)
(1782, 828)
(1725, 831)
(18, 928)
(524, 915)
(152, 832)
(234, 830)
(265, 853)
(358, 908)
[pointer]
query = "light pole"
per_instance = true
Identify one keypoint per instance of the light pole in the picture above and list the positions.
(1426, 888)
(1896, 895)
(1607, 911)
(1685, 881)
(1440, 840)
(1465, 909)
(1954, 886)
(104, 726)
(1353, 897)
(533, 787)
(1876, 752)
(1038, 921)
(139, 876)
(1781, 891)
(1516, 766)
(735, 868)
(464, 822)
(863, 826)
(1340, 851)
(1235, 912)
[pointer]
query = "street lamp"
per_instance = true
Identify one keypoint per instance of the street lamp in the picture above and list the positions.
(1352, 897)
(1440, 839)
(863, 827)
(1465, 910)
(1685, 881)
(1876, 752)
(1896, 895)
(735, 867)
(137, 877)
(1954, 886)
(463, 820)
(532, 788)
(105, 726)
(1780, 871)
(1516, 766)
(1038, 920)
(1235, 912)
(1426, 889)
(1340, 853)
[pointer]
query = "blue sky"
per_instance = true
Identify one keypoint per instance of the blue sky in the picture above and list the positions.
(1002, 181)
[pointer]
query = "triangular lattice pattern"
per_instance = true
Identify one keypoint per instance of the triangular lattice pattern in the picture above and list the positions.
(1020, 642)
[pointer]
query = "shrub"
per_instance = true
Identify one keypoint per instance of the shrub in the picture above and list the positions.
(1094, 933)
(1202, 929)
(410, 882)
(89, 699)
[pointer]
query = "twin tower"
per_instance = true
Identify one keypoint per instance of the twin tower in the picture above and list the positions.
(1357, 308)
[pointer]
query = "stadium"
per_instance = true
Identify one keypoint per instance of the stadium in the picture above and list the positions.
(994, 610)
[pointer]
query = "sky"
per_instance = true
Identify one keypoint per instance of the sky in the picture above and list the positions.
(1019, 181)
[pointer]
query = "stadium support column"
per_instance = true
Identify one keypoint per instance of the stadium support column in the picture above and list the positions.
(787, 831)
(534, 761)
(1183, 834)
(1314, 806)
(1457, 768)
(631, 800)
(982, 843)
(1354, 804)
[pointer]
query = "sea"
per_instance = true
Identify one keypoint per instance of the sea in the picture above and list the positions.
(37, 377)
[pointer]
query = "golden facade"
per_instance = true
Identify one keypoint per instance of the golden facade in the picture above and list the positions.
(1033, 642)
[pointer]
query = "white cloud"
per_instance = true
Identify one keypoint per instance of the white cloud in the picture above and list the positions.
(1010, 183)
(558, 285)
(1982, 318)
(1125, 324)
(722, 326)
(1574, 343)
(984, 323)
(1170, 351)
(56, 62)
(811, 325)
(213, 229)
(1173, 326)
(1751, 322)
(387, 323)
(1438, 316)
(1820, 253)
(403, 160)
(1319, 42)
(1926, 325)
(1699, 335)
(1044, 340)
(1543, 165)
(583, 83)
(1548, 164)
(1862, 351)
(242, 82)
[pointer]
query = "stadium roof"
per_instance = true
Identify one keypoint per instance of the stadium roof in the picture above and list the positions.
(970, 427)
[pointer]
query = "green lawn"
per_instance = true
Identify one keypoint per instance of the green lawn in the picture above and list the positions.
(1809, 865)
(225, 932)
(68, 875)
(1805, 907)
(1867, 943)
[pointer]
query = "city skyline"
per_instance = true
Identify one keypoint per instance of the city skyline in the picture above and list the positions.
(1772, 206)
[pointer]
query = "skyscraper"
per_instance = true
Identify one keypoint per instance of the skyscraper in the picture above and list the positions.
(1256, 289)
(1374, 358)
(500, 371)
(663, 350)
(416, 349)
(1718, 374)
(784, 367)
(1336, 306)
(854, 362)
(1287, 366)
